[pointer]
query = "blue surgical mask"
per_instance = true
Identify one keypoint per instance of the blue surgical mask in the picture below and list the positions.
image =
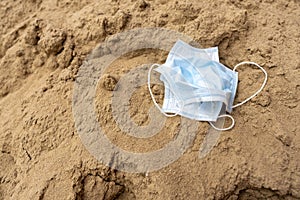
(197, 84)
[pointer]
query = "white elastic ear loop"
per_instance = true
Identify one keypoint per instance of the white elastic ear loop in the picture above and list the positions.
(262, 86)
(152, 96)
(224, 129)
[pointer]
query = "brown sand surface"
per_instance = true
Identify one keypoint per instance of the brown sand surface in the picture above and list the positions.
(42, 46)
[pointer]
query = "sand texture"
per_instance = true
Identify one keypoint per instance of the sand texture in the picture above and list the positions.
(43, 43)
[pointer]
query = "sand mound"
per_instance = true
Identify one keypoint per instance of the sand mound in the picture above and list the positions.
(42, 46)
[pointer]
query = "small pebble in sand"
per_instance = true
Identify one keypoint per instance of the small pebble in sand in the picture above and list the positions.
(109, 82)
(156, 90)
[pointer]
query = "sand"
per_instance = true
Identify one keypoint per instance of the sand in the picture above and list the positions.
(44, 43)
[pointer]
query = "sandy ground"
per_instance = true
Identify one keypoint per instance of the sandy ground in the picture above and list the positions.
(42, 46)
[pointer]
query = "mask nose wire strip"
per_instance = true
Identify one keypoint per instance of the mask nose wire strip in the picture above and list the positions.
(262, 86)
(152, 96)
(224, 129)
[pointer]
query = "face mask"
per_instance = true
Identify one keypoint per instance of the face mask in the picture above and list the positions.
(197, 85)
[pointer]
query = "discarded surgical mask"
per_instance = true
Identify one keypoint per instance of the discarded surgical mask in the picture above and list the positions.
(197, 84)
